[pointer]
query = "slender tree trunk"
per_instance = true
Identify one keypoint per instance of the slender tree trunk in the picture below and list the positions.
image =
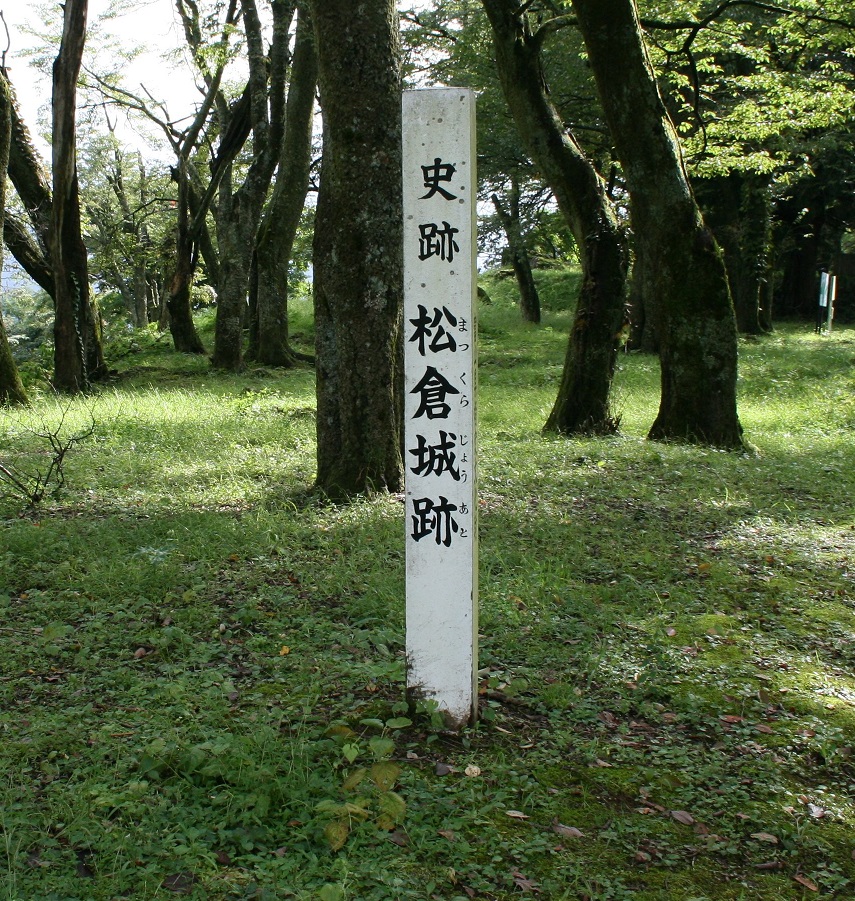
(181, 326)
(25, 248)
(736, 208)
(696, 324)
(520, 260)
(239, 216)
(78, 357)
(583, 403)
(275, 241)
(29, 175)
(11, 389)
(358, 252)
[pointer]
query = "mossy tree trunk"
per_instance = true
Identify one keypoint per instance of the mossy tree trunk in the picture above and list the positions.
(358, 249)
(696, 324)
(583, 403)
(11, 389)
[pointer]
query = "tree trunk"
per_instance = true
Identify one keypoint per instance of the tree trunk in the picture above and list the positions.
(642, 305)
(181, 326)
(239, 215)
(520, 260)
(358, 249)
(25, 248)
(30, 178)
(275, 241)
(11, 389)
(736, 208)
(78, 357)
(696, 324)
(582, 404)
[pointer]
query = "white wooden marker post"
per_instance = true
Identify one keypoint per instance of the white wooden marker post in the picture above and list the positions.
(440, 384)
(832, 296)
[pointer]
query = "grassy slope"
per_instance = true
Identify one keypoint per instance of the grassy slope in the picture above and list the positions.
(200, 664)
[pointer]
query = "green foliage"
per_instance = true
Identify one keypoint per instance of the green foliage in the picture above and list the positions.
(202, 673)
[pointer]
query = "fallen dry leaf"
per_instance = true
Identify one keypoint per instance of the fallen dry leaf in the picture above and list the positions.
(525, 884)
(809, 884)
(566, 831)
(683, 816)
(765, 837)
(517, 814)
(443, 769)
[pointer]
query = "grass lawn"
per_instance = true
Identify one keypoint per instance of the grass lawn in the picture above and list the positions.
(202, 673)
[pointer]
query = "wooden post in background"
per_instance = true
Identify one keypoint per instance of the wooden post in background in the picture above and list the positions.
(440, 385)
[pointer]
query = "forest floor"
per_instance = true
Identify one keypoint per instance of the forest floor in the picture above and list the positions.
(202, 672)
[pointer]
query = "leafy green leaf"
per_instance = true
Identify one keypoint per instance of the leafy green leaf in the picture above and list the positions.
(336, 832)
(381, 747)
(384, 774)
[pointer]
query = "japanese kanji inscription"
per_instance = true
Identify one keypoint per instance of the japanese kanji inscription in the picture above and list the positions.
(439, 322)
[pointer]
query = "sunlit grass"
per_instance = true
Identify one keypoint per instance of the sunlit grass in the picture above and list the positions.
(664, 628)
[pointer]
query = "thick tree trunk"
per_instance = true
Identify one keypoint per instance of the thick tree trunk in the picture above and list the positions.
(78, 357)
(520, 260)
(11, 389)
(358, 252)
(275, 241)
(583, 403)
(696, 324)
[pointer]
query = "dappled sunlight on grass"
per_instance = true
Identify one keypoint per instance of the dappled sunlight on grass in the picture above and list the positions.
(202, 660)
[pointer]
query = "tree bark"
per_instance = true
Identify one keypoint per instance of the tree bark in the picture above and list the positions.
(696, 324)
(520, 260)
(78, 357)
(736, 207)
(25, 248)
(185, 338)
(192, 207)
(30, 178)
(11, 388)
(642, 304)
(583, 403)
(358, 249)
(275, 241)
(239, 215)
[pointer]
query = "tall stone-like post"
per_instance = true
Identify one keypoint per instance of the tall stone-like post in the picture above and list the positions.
(440, 386)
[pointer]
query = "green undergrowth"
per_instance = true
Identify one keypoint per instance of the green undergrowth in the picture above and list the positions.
(202, 673)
